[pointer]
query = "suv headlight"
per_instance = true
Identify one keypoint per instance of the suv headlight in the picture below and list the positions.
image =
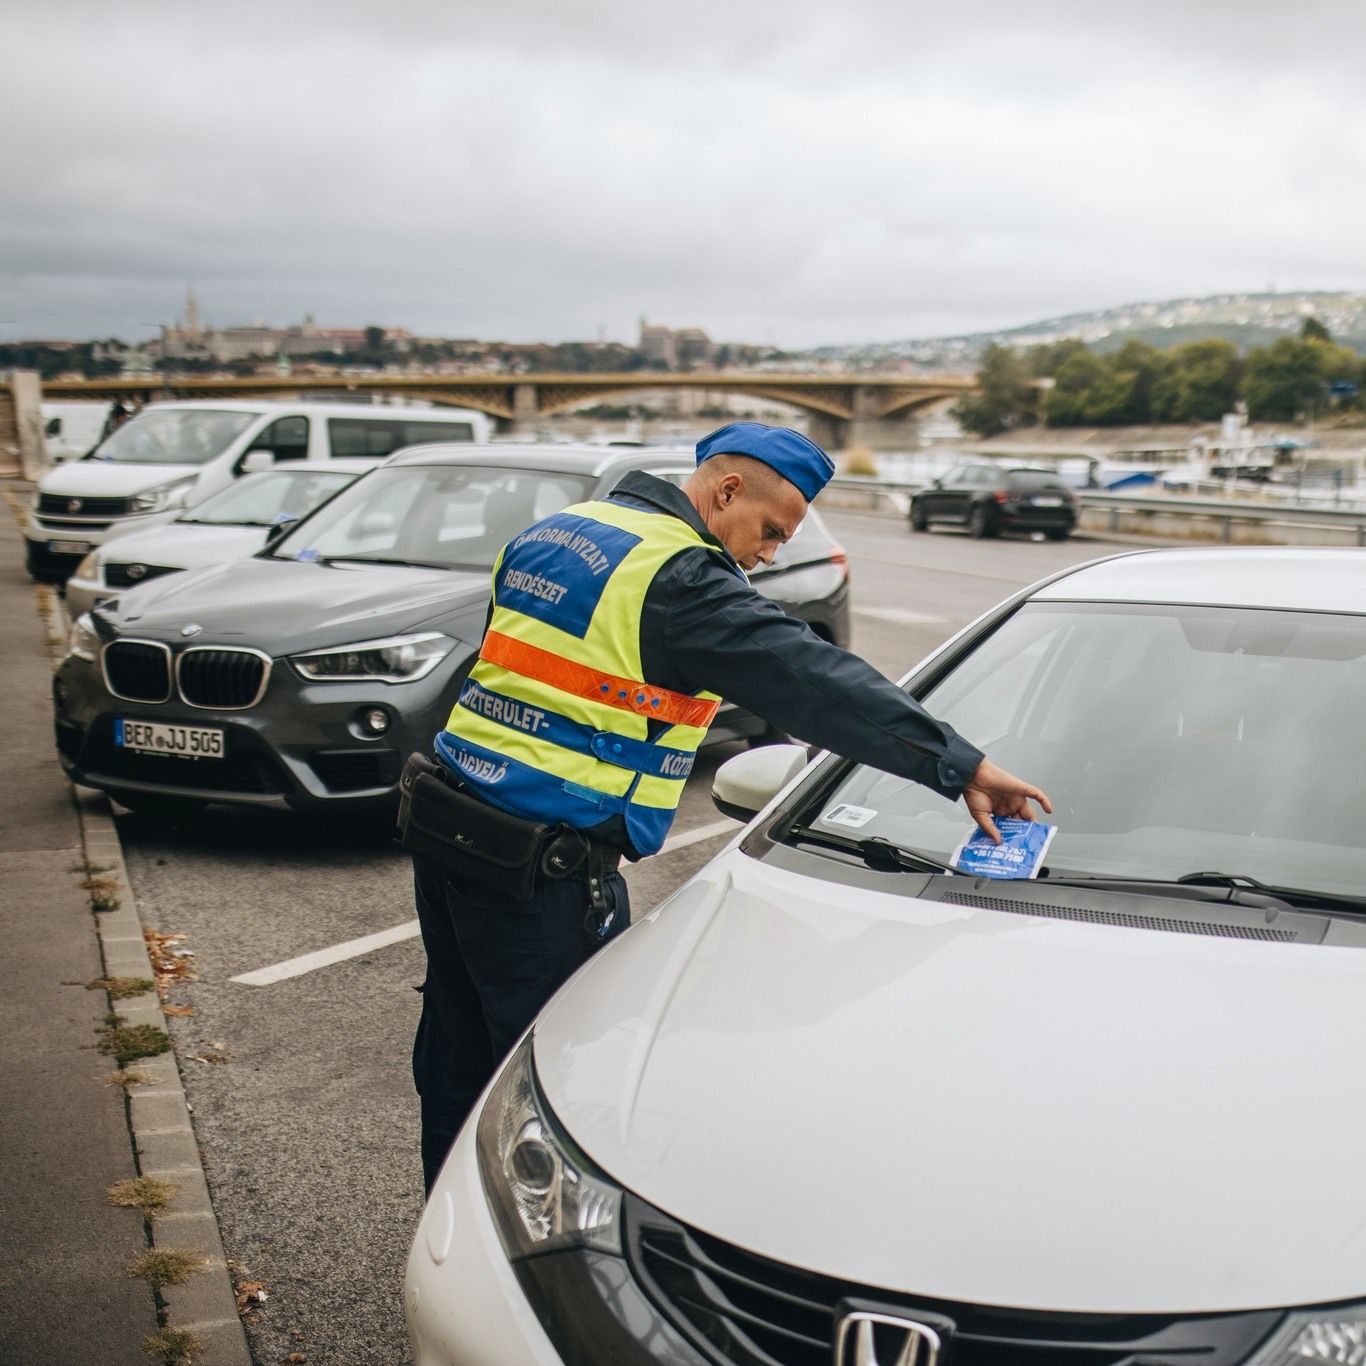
(82, 640)
(398, 659)
(1333, 1337)
(543, 1193)
(162, 497)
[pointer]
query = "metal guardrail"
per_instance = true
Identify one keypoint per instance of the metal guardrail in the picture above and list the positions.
(1224, 512)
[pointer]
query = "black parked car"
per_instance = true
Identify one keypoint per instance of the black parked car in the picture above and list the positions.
(302, 677)
(988, 500)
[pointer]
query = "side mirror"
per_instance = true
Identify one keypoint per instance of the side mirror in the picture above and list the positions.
(746, 784)
(257, 461)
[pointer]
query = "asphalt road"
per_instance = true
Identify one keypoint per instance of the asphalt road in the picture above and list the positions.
(300, 1089)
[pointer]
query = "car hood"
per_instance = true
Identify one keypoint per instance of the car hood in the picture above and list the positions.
(284, 606)
(111, 478)
(184, 545)
(975, 1106)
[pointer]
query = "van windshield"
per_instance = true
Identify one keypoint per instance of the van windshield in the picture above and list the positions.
(173, 436)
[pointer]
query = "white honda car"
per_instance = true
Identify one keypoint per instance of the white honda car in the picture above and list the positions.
(834, 1102)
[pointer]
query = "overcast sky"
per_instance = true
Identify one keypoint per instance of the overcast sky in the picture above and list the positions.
(788, 172)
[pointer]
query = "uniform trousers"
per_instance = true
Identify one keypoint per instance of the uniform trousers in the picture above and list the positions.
(491, 965)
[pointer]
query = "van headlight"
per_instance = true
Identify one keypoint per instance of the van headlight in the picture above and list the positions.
(543, 1193)
(397, 659)
(162, 497)
(1327, 1336)
(82, 640)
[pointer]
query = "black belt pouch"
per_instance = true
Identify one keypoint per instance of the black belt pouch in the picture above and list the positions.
(475, 843)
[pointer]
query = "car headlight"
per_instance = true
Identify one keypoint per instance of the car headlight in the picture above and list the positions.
(88, 567)
(1333, 1337)
(544, 1195)
(162, 497)
(399, 659)
(82, 640)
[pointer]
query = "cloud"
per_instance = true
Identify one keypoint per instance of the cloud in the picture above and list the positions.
(789, 171)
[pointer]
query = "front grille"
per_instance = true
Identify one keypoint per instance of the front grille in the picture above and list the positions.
(59, 504)
(351, 770)
(138, 670)
(75, 525)
(242, 769)
(736, 1307)
(122, 575)
(223, 679)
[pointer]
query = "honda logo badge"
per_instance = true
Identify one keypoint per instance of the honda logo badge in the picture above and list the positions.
(867, 1339)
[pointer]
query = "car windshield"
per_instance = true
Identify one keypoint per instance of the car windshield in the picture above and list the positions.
(448, 516)
(1171, 739)
(173, 436)
(275, 496)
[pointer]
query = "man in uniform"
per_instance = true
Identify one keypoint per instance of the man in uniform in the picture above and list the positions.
(616, 628)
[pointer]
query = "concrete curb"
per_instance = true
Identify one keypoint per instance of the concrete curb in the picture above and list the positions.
(159, 1122)
(164, 1144)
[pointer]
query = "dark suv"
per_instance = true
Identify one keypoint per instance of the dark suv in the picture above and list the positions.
(988, 500)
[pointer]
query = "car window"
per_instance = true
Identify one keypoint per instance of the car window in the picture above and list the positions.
(1029, 480)
(264, 499)
(286, 438)
(380, 436)
(173, 436)
(448, 515)
(1171, 739)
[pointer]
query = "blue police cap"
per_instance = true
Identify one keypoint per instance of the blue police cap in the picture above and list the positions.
(799, 460)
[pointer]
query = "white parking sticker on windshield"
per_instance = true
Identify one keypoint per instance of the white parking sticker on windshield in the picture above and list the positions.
(844, 814)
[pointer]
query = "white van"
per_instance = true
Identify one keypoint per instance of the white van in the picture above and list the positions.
(71, 429)
(174, 455)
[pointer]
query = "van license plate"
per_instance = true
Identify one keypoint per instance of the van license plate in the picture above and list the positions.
(68, 547)
(189, 742)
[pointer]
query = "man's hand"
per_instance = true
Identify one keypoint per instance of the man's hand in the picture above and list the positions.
(991, 790)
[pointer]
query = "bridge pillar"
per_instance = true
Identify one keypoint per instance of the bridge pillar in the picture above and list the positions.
(829, 433)
(526, 409)
(869, 428)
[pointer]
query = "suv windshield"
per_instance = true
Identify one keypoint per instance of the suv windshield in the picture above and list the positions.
(449, 516)
(173, 436)
(1171, 739)
(276, 496)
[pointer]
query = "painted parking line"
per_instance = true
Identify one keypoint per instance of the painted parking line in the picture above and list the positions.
(354, 948)
(324, 958)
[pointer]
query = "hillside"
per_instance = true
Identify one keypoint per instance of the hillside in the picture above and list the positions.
(1248, 320)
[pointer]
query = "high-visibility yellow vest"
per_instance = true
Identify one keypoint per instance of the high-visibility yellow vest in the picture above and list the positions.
(557, 721)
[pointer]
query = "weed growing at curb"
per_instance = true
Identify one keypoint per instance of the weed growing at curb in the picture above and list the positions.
(167, 1266)
(103, 893)
(149, 1194)
(128, 1080)
(174, 1346)
(127, 1043)
(119, 988)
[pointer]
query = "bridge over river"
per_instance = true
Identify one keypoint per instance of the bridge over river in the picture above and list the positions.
(845, 409)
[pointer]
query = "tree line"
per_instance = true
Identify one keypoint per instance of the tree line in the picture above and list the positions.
(1293, 379)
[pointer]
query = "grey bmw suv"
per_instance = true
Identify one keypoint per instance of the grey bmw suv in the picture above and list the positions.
(304, 676)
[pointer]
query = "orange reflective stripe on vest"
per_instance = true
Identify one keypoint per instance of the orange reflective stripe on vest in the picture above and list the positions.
(659, 704)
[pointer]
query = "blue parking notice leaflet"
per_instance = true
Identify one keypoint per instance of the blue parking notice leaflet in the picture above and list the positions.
(1019, 854)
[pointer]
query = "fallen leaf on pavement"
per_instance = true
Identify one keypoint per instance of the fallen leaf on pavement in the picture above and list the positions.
(177, 1010)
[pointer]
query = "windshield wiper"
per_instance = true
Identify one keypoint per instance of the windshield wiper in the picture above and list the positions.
(878, 853)
(377, 559)
(1240, 888)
